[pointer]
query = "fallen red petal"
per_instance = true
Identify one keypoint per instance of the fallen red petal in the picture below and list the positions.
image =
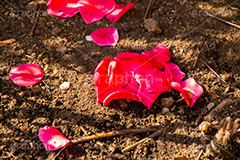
(52, 138)
(90, 10)
(26, 74)
(159, 54)
(105, 36)
(94, 10)
(118, 11)
(63, 8)
(142, 77)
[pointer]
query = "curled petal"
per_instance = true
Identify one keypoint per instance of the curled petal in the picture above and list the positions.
(62, 8)
(26, 74)
(120, 94)
(189, 89)
(118, 11)
(142, 77)
(177, 74)
(159, 54)
(52, 138)
(90, 10)
(105, 36)
(94, 10)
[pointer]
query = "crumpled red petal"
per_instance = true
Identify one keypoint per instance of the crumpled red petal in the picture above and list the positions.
(118, 11)
(105, 36)
(189, 89)
(26, 74)
(94, 10)
(63, 8)
(159, 54)
(142, 77)
(52, 138)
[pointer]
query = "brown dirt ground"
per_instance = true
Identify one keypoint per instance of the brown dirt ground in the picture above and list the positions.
(194, 39)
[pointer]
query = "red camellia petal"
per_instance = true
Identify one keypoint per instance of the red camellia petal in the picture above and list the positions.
(142, 77)
(26, 74)
(189, 89)
(159, 54)
(52, 138)
(90, 10)
(63, 8)
(105, 36)
(94, 10)
(118, 11)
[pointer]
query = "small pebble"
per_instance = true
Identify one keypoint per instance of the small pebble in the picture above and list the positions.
(167, 102)
(113, 148)
(23, 25)
(65, 85)
(108, 124)
(126, 28)
(152, 26)
(21, 94)
(56, 30)
(36, 89)
(88, 38)
(36, 31)
(20, 113)
(1, 116)
(165, 110)
(20, 52)
(46, 61)
(123, 104)
(210, 105)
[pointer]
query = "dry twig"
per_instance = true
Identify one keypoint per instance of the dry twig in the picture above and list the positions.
(112, 134)
(11, 60)
(214, 72)
(147, 13)
(199, 155)
(35, 23)
(58, 153)
(220, 106)
(141, 141)
(222, 20)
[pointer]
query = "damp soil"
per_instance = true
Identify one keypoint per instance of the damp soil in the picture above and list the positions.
(194, 40)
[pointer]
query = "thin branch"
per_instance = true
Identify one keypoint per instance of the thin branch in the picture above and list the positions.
(11, 61)
(222, 20)
(59, 153)
(112, 134)
(225, 103)
(141, 141)
(35, 23)
(214, 72)
(199, 155)
(150, 4)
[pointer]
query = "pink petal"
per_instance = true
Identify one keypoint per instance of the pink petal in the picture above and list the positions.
(159, 54)
(120, 94)
(26, 74)
(118, 11)
(178, 75)
(105, 36)
(52, 138)
(63, 8)
(91, 10)
(189, 89)
(142, 77)
(94, 10)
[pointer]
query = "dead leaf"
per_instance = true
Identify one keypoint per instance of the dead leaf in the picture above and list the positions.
(8, 41)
